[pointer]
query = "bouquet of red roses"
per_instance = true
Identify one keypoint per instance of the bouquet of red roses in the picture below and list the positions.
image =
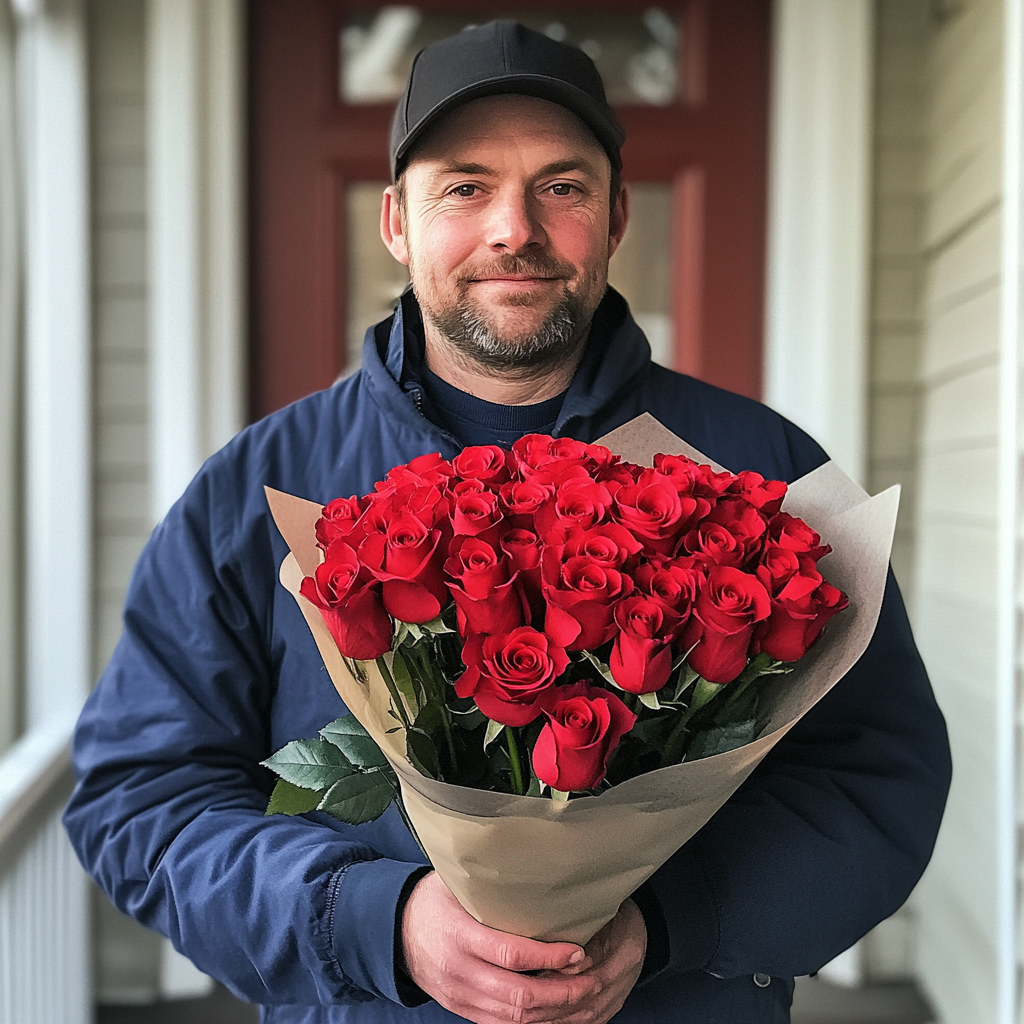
(554, 616)
(559, 619)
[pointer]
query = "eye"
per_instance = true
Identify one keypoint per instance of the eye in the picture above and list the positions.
(464, 191)
(563, 188)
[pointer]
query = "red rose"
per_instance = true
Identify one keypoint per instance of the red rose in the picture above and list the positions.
(558, 457)
(795, 623)
(764, 495)
(610, 544)
(506, 674)
(408, 560)
(674, 584)
(714, 544)
(476, 514)
(425, 470)
(350, 602)
(337, 520)
(654, 510)
(692, 478)
(794, 534)
(581, 596)
(722, 623)
(786, 574)
(522, 498)
(579, 502)
(641, 660)
(484, 587)
(484, 462)
(744, 522)
(524, 548)
(583, 728)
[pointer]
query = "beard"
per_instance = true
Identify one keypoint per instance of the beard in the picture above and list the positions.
(471, 327)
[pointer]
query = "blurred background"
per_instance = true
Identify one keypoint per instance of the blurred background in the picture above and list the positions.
(827, 215)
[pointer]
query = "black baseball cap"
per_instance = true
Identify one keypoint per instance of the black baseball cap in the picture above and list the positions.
(500, 57)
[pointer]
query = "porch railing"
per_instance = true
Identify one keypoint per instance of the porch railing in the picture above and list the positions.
(44, 960)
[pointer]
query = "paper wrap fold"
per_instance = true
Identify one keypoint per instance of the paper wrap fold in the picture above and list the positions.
(548, 870)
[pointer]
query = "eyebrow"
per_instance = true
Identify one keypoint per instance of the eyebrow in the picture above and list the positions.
(558, 167)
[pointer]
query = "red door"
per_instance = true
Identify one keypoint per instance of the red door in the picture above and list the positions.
(689, 80)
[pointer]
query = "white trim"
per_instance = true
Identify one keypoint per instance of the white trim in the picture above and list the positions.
(1010, 347)
(58, 504)
(818, 221)
(196, 236)
(29, 771)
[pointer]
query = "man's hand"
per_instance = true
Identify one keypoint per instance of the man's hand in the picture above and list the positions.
(474, 971)
(616, 954)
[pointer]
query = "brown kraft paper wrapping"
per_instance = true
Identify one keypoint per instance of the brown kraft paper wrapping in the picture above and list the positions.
(548, 870)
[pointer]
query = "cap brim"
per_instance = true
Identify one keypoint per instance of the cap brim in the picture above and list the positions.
(608, 133)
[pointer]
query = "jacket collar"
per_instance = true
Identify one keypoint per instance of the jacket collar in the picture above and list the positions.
(617, 354)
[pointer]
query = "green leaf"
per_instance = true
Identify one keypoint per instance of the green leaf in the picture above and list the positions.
(435, 627)
(311, 764)
(423, 738)
(720, 738)
(650, 700)
(403, 680)
(423, 753)
(494, 730)
(359, 798)
(358, 746)
(601, 667)
(289, 799)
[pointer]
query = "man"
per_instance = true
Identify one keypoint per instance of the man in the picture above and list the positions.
(506, 207)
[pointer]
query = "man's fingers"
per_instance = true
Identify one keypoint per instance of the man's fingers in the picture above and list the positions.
(514, 953)
(535, 995)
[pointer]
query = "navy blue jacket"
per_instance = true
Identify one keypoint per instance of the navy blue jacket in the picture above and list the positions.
(216, 669)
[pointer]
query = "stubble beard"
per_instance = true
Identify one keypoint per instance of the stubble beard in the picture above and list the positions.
(471, 330)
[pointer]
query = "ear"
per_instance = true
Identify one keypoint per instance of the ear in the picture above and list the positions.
(618, 221)
(392, 230)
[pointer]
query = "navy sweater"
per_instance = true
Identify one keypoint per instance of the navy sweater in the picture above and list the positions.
(216, 669)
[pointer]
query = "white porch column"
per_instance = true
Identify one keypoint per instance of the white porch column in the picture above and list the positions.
(196, 230)
(818, 221)
(58, 505)
(196, 151)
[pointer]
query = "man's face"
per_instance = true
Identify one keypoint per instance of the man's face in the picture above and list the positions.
(507, 227)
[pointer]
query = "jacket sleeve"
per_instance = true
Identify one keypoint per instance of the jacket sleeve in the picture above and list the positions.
(168, 812)
(829, 834)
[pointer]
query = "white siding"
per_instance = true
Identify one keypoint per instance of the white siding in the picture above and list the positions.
(120, 286)
(957, 551)
(897, 266)
(127, 955)
(935, 427)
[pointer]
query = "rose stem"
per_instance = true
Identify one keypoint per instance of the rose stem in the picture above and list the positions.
(427, 671)
(513, 757)
(400, 804)
(396, 697)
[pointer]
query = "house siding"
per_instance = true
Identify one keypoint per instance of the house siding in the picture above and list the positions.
(127, 955)
(121, 482)
(935, 405)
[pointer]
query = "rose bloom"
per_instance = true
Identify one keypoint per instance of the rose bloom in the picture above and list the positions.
(485, 462)
(483, 585)
(408, 560)
(338, 519)
(722, 623)
(641, 659)
(581, 596)
(350, 601)
(506, 674)
(583, 728)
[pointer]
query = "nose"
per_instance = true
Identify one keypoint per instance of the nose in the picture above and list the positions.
(514, 224)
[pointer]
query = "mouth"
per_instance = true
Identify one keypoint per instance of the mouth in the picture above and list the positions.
(515, 280)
